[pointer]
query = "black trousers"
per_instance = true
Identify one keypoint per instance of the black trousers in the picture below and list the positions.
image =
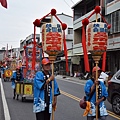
(14, 93)
(44, 115)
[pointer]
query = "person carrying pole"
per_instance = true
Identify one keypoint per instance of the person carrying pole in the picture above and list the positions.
(43, 92)
(90, 90)
(16, 77)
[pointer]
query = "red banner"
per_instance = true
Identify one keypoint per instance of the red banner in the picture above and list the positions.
(3, 3)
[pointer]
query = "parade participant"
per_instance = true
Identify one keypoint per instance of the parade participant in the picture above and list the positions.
(17, 77)
(2, 71)
(43, 92)
(90, 90)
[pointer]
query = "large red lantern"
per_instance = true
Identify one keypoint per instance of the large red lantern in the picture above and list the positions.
(96, 37)
(52, 38)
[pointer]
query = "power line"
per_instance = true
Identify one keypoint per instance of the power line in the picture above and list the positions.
(67, 3)
(72, 2)
(8, 41)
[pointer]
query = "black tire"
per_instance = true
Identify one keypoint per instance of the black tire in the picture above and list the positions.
(23, 99)
(116, 104)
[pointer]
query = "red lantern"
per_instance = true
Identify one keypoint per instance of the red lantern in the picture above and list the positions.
(37, 22)
(52, 38)
(53, 12)
(109, 26)
(85, 21)
(97, 9)
(96, 36)
(64, 26)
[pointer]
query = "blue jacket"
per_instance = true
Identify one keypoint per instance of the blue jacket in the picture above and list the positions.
(39, 94)
(104, 93)
(13, 78)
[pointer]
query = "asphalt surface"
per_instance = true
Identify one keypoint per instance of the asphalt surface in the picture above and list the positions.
(72, 89)
(1, 108)
(75, 87)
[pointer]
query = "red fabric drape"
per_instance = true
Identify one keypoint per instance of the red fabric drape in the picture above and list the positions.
(34, 50)
(3, 3)
(104, 61)
(86, 62)
(26, 59)
(65, 51)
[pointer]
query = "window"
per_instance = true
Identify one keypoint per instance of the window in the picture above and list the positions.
(118, 77)
(70, 30)
(114, 20)
(90, 5)
(108, 1)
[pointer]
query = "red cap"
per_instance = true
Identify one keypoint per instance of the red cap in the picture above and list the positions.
(4, 65)
(94, 69)
(17, 68)
(45, 61)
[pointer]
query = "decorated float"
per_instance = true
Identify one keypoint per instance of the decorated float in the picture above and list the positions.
(29, 66)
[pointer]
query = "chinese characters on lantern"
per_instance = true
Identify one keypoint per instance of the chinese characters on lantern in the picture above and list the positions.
(52, 37)
(97, 36)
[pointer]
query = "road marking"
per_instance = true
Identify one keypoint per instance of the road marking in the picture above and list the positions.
(78, 99)
(72, 81)
(5, 106)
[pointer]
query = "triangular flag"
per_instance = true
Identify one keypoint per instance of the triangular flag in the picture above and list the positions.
(4, 3)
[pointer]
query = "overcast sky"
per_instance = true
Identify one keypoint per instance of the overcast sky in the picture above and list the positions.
(16, 22)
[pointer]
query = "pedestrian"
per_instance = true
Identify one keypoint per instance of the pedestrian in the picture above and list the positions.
(3, 71)
(43, 92)
(16, 77)
(90, 91)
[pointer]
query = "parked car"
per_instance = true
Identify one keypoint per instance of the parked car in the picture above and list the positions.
(114, 92)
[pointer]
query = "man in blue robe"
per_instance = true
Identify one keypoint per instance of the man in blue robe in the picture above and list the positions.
(90, 91)
(43, 92)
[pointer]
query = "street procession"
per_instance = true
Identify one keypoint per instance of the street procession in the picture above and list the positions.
(60, 63)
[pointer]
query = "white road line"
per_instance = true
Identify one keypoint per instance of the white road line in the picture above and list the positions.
(5, 106)
(72, 81)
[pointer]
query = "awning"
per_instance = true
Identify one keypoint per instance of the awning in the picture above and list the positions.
(62, 60)
(80, 54)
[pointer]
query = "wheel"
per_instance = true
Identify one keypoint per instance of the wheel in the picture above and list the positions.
(116, 104)
(23, 99)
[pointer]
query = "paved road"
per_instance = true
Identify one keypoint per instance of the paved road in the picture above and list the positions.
(67, 106)
(73, 88)
(1, 108)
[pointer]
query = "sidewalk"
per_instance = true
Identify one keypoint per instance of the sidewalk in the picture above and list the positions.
(70, 78)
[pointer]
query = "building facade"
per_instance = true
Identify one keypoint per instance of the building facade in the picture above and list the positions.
(112, 12)
(81, 10)
(28, 40)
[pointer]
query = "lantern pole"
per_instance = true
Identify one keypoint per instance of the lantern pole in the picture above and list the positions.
(52, 59)
(51, 45)
(96, 42)
(96, 58)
